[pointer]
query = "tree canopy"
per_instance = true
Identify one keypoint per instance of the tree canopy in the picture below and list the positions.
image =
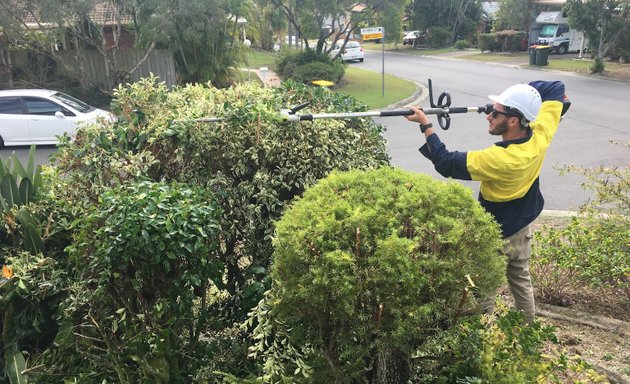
(458, 16)
(514, 14)
(195, 30)
(603, 22)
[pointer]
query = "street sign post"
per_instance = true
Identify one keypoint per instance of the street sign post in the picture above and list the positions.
(374, 33)
(377, 33)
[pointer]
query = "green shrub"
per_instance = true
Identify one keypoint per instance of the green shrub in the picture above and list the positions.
(145, 258)
(255, 162)
(318, 71)
(499, 350)
(593, 249)
(128, 289)
(462, 44)
(511, 41)
(367, 265)
(597, 66)
(438, 37)
(488, 42)
(291, 62)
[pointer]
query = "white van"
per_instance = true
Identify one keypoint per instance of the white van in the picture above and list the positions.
(556, 33)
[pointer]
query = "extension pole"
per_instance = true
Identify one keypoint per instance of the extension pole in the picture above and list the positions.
(286, 115)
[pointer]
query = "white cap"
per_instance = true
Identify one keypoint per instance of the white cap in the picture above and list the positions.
(521, 97)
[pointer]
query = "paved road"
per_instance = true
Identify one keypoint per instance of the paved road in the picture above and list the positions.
(42, 153)
(599, 114)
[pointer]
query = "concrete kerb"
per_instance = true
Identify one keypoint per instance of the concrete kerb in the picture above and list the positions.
(415, 99)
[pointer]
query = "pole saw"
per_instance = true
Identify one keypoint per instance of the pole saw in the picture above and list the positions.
(442, 109)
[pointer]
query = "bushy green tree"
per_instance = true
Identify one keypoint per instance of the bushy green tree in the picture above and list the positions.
(513, 15)
(368, 265)
(603, 22)
(458, 17)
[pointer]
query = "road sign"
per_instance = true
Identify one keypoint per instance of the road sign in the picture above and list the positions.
(374, 33)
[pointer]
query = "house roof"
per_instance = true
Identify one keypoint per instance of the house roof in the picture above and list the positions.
(106, 13)
(103, 13)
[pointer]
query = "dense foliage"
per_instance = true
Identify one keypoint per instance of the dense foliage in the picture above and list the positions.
(202, 35)
(604, 23)
(458, 18)
(305, 66)
(156, 231)
(505, 41)
(368, 265)
(593, 250)
(499, 350)
(139, 269)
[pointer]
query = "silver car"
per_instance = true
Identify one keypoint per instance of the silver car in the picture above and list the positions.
(38, 116)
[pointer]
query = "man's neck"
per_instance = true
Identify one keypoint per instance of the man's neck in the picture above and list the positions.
(514, 134)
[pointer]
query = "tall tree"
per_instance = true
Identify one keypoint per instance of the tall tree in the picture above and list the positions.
(389, 15)
(196, 30)
(603, 23)
(458, 16)
(514, 14)
(206, 36)
(324, 19)
(50, 27)
(267, 24)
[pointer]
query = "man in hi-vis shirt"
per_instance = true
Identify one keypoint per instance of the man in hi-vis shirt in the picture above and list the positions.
(526, 117)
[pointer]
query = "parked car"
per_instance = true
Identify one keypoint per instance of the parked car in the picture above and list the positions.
(413, 38)
(351, 52)
(38, 116)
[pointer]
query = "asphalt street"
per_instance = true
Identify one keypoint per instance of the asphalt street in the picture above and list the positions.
(593, 132)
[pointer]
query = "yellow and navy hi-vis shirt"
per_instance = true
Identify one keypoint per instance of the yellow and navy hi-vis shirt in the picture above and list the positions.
(508, 170)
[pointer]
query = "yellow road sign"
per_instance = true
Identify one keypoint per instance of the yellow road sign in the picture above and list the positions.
(372, 36)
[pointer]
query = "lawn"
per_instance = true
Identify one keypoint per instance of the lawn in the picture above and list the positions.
(257, 59)
(494, 57)
(366, 86)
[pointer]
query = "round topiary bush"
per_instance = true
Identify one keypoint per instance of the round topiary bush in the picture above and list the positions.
(307, 65)
(318, 71)
(368, 264)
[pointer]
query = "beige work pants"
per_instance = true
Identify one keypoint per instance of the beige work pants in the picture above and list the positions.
(517, 248)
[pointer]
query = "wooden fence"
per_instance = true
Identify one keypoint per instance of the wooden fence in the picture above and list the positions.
(90, 65)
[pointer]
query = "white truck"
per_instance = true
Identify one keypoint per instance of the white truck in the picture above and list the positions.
(556, 33)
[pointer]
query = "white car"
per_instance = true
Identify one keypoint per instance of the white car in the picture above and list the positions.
(38, 116)
(352, 51)
(413, 38)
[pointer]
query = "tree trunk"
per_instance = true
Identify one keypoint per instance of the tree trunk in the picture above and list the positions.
(6, 66)
(392, 366)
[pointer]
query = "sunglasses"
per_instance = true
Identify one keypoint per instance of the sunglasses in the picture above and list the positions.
(496, 113)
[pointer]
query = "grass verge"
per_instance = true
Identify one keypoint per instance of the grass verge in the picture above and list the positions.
(493, 57)
(366, 86)
(391, 47)
(256, 59)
